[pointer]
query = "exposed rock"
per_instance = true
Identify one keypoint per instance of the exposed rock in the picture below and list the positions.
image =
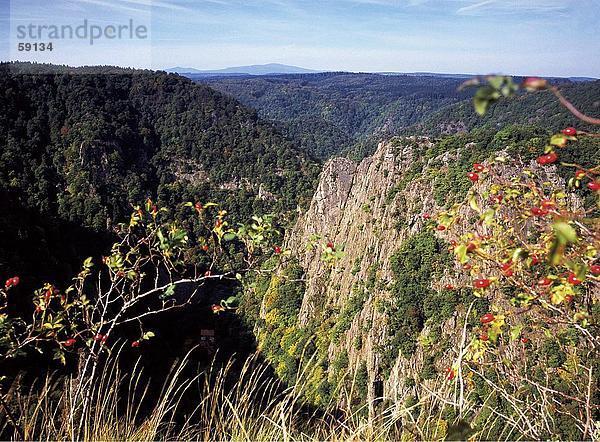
(360, 208)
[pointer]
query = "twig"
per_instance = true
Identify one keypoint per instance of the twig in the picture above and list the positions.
(11, 417)
(571, 108)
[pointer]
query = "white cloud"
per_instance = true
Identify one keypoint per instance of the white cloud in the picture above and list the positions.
(136, 5)
(495, 7)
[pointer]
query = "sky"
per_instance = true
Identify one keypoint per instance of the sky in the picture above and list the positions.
(524, 37)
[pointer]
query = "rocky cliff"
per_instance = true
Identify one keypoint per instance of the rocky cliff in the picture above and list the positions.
(369, 215)
(361, 210)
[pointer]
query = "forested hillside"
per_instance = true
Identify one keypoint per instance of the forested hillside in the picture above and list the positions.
(348, 114)
(536, 109)
(82, 146)
(445, 286)
(342, 113)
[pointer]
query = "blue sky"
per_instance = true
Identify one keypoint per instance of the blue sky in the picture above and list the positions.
(544, 37)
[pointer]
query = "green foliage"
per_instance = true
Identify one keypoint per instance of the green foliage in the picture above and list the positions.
(553, 353)
(415, 266)
(351, 309)
(540, 108)
(338, 113)
(83, 148)
(361, 381)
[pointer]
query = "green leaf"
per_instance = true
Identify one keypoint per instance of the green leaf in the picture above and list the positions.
(461, 253)
(481, 105)
(229, 236)
(488, 216)
(515, 332)
(473, 204)
(558, 140)
(230, 302)
(496, 81)
(519, 254)
(169, 291)
(58, 355)
(564, 232)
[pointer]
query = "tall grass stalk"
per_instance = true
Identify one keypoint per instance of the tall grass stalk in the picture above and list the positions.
(235, 400)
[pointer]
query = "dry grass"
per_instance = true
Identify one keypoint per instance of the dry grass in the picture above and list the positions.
(229, 402)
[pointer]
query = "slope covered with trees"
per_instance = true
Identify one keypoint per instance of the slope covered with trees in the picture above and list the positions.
(535, 109)
(83, 145)
(347, 114)
(339, 113)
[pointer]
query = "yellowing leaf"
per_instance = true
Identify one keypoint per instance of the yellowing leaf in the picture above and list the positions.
(564, 232)
(473, 204)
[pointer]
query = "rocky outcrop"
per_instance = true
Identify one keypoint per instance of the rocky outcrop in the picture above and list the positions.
(358, 207)
(369, 210)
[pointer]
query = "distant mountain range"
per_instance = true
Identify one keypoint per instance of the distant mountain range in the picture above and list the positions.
(282, 69)
(256, 69)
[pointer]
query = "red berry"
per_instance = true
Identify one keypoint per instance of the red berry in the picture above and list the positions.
(449, 287)
(198, 207)
(594, 185)
(487, 318)
(535, 260)
(569, 131)
(70, 342)
(205, 248)
(538, 211)
(473, 176)
(595, 269)
(441, 228)
(572, 278)
(545, 282)
(277, 250)
(569, 299)
(478, 167)
(548, 158)
(12, 282)
(471, 246)
(451, 373)
(426, 216)
(217, 308)
(506, 269)
(481, 283)
(524, 340)
(330, 245)
(534, 84)
(552, 157)
(483, 337)
(579, 174)
(207, 273)
(135, 344)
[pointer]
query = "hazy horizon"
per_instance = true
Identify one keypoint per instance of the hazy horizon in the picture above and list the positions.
(520, 37)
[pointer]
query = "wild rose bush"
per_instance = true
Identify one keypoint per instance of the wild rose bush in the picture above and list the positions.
(156, 265)
(534, 253)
